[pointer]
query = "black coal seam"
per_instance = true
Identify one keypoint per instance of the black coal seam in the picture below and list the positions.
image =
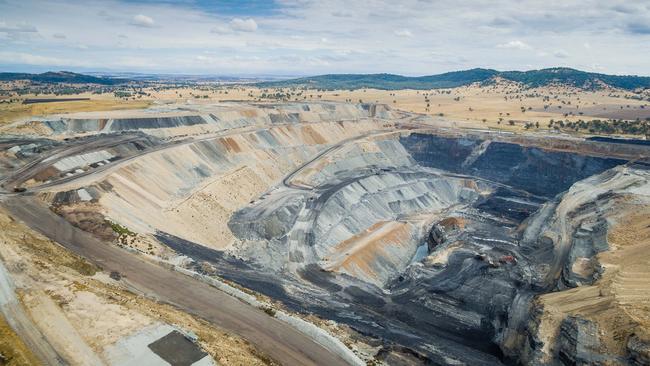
(474, 342)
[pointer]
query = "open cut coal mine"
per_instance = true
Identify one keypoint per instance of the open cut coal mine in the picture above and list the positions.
(433, 245)
(461, 291)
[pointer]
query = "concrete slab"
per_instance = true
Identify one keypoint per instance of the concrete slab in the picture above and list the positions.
(177, 350)
(158, 344)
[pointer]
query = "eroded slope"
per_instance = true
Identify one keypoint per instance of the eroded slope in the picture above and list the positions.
(437, 246)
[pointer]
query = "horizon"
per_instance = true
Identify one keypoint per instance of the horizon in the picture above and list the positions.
(307, 38)
(113, 74)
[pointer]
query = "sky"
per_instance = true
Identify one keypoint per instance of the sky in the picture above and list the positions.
(309, 37)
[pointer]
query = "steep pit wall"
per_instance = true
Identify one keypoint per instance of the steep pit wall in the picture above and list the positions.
(373, 153)
(476, 288)
(542, 172)
(354, 190)
(372, 181)
(348, 224)
(190, 190)
(593, 283)
(359, 207)
(171, 120)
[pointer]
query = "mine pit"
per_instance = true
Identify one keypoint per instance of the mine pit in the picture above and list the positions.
(429, 243)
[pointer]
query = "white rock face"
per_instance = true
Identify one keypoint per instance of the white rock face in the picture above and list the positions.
(361, 211)
(362, 155)
(384, 197)
(170, 120)
(190, 190)
(78, 161)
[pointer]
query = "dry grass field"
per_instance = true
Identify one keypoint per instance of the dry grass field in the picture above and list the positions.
(502, 105)
(11, 112)
(13, 351)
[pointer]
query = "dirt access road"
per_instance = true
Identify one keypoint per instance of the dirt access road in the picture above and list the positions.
(276, 339)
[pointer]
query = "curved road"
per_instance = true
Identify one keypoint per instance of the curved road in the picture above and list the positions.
(98, 142)
(275, 338)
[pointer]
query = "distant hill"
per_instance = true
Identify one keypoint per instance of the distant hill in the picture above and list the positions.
(60, 77)
(533, 78)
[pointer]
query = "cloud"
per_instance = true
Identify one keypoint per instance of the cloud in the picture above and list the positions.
(31, 59)
(142, 21)
(221, 30)
(472, 35)
(106, 15)
(18, 32)
(243, 25)
(342, 14)
(624, 9)
(403, 33)
(137, 62)
(642, 28)
(516, 45)
(236, 25)
(17, 28)
(561, 54)
(596, 67)
(502, 22)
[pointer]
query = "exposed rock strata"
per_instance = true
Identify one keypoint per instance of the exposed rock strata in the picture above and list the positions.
(443, 250)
